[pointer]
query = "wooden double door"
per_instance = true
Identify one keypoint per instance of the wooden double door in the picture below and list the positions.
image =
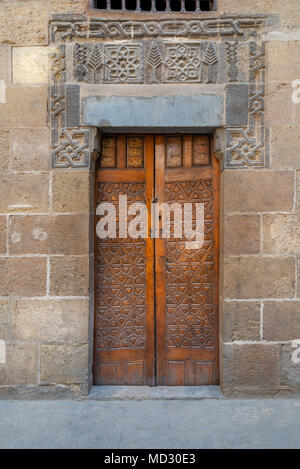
(156, 299)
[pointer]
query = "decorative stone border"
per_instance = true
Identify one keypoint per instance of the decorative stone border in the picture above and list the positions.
(229, 51)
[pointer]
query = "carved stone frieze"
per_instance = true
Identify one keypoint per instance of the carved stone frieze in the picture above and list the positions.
(212, 51)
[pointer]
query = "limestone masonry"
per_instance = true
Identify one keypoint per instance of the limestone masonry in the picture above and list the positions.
(56, 97)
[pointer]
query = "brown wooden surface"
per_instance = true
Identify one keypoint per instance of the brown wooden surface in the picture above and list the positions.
(124, 279)
(174, 338)
(187, 280)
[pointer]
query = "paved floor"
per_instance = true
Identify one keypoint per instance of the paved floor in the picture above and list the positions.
(149, 424)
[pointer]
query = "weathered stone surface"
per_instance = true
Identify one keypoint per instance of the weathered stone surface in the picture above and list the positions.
(4, 318)
(281, 64)
(281, 110)
(258, 191)
(241, 321)
(25, 107)
(237, 105)
(69, 276)
(30, 65)
(289, 365)
(281, 234)
(4, 150)
(247, 366)
(24, 192)
(73, 105)
(23, 23)
(259, 277)
(23, 276)
(298, 191)
(289, 15)
(281, 320)
(298, 279)
(129, 111)
(5, 64)
(30, 150)
(241, 234)
(67, 6)
(49, 234)
(51, 320)
(21, 365)
(285, 142)
(64, 364)
(3, 235)
(71, 191)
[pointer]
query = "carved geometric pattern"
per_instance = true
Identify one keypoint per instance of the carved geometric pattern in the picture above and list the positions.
(88, 63)
(71, 150)
(69, 147)
(123, 63)
(120, 279)
(246, 147)
(216, 43)
(190, 288)
(232, 71)
(202, 29)
(182, 62)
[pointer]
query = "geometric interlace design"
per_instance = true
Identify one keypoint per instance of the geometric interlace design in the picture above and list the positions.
(190, 274)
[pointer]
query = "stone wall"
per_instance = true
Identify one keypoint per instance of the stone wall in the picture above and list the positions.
(46, 212)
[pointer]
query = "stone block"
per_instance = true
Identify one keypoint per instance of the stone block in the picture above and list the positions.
(298, 191)
(24, 107)
(290, 365)
(54, 320)
(67, 6)
(21, 365)
(258, 191)
(23, 23)
(5, 64)
(259, 277)
(64, 364)
(285, 142)
(30, 65)
(289, 14)
(69, 276)
(282, 60)
(247, 366)
(241, 321)
(71, 191)
(241, 234)
(4, 150)
(49, 234)
(237, 105)
(3, 235)
(30, 150)
(4, 318)
(24, 193)
(281, 234)
(281, 320)
(23, 276)
(281, 110)
(73, 105)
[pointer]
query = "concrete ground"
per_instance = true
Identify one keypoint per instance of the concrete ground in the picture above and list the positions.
(150, 424)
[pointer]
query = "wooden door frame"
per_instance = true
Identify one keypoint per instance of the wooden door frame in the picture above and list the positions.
(216, 204)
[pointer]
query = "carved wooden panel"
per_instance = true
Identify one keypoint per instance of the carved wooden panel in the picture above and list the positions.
(108, 152)
(187, 278)
(174, 152)
(190, 275)
(135, 152)
(200, 150)
(121, 287)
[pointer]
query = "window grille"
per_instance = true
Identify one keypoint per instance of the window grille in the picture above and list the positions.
(182, 6)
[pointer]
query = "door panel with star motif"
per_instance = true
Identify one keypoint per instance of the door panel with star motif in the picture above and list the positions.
(156, 305)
